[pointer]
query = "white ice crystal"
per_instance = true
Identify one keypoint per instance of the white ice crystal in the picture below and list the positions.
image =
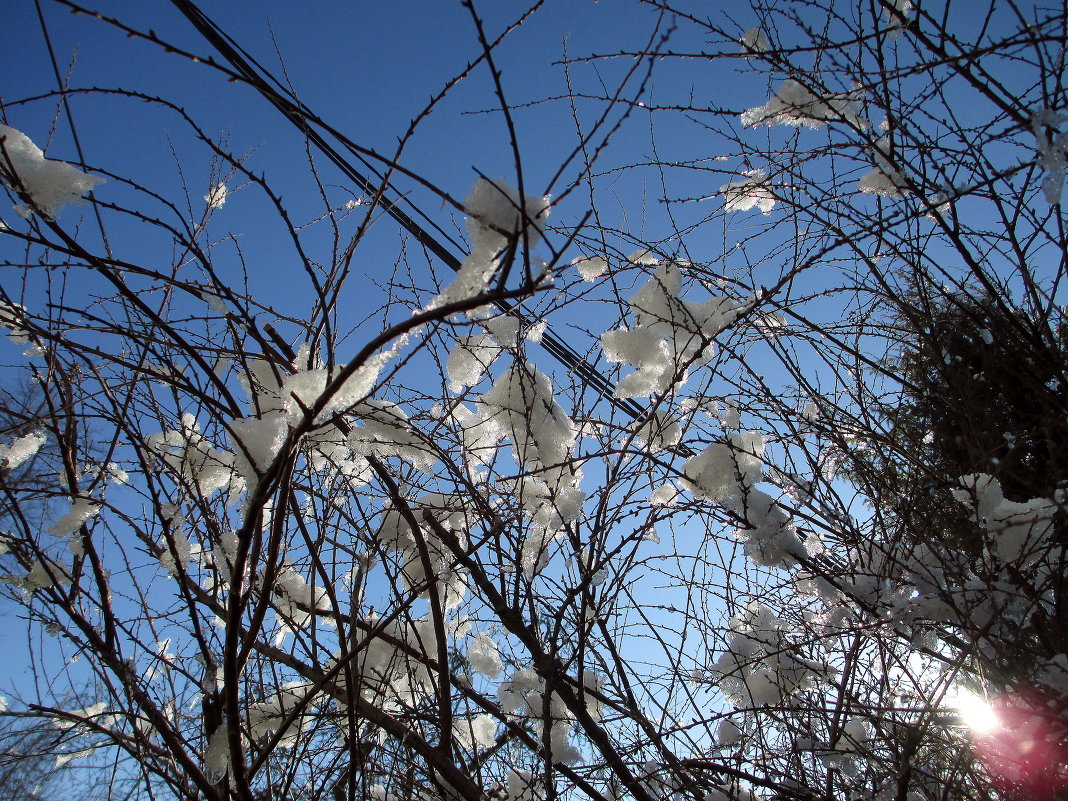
(483, 656)
(591, 268)
(13, 455)
(755, 41)
(495, 216)
(80, 512)
(216, 198)
(751, 192)
(884, 179)
(50, 184)
(795, 105)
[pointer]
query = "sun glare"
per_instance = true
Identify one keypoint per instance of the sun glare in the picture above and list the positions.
(975, 711)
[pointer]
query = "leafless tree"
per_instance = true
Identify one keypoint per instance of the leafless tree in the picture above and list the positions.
(615, 512)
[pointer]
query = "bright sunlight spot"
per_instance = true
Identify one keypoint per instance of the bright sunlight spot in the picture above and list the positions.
(975, 710)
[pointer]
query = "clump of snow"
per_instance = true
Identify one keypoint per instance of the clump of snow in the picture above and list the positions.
(725, 470)
(50, 184)
(762, 665)
(664, 495)
(204, 468)
(728, 733)
(217, 755)
(44, 575)
(897, 16)
(1052, 147)
(755, 41)
(176, 549)
(496, 217)
(479, 731)
(80, 512)
(751, 192)
(590, 268)
(216, 197)
(11, 318)
(13, 455)
(521, 401)
(669, 334)
(425, 558)
(659, 432)
(470, 359)
(726, 473)
(795, 105)
(483, 656)
(256, 442)
(884, 179)
(267, 717)
(296, 600)
(1018, 532)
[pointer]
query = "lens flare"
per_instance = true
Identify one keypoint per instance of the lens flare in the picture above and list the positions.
(976, 712)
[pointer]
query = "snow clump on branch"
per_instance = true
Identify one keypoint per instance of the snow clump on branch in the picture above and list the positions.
(795, 105)
(749, 193)
(50, 184)
(497, 218)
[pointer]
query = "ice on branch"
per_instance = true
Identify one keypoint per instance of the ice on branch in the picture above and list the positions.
(897, 16)
(670, 333)
(762, 665)
(203, 468)
(1017, 533)
(267, 717)
(755, 41)
(524, 692)
(475, 732)
(884, 179)
(521, 402)
(46, 574)
(81, 511)
(392, 669)
(386, 432)
(217, 754)
(470, 359)
(216, 198)
(296, 601)
(796, 105)
(496, 219)
(483, 657)
(425, 558)
(751, 192)
(727, 473)
(23, 448)
(50, 184)
(1052, 146)
(590, 268)
(93, 713)
(176, 549)
(12, 317)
